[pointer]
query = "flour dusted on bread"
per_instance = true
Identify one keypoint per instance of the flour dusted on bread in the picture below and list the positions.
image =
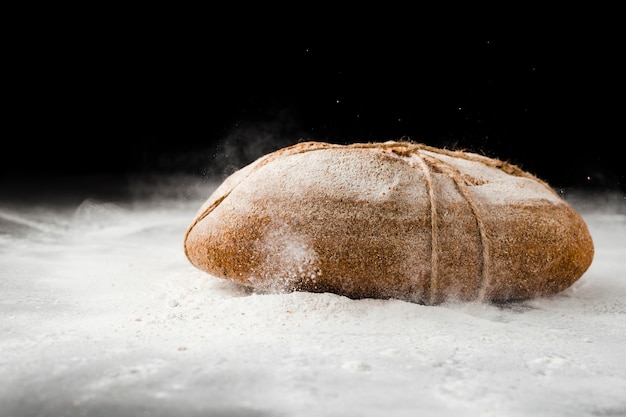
(390, 220)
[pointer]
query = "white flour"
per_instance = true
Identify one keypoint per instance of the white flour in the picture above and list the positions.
(101, 314)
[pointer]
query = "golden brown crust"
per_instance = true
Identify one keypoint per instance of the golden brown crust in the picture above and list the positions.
(393, 219)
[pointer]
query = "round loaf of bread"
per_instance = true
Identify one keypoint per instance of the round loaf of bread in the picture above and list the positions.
(390, 220)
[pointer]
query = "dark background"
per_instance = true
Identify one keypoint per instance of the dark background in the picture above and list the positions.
(129, 97)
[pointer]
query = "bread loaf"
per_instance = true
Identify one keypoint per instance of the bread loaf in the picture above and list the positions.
(390, 220)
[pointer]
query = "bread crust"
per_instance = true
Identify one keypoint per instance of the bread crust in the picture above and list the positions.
(390, 220)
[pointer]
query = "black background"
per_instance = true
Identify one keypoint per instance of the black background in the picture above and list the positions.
(125, 96)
